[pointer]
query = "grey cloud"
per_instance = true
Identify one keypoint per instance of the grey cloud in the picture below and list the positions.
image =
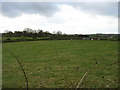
(13, 9)
(119, 10)
(0, 7)
(104, 8)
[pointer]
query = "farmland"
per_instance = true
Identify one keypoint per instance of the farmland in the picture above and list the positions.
(61, 64)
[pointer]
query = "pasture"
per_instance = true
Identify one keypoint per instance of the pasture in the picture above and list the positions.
(61, 64)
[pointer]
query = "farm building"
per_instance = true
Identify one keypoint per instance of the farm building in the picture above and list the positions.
(84, 37)
(95, 38)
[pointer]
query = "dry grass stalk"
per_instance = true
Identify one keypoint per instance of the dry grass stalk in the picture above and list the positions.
(81, 80)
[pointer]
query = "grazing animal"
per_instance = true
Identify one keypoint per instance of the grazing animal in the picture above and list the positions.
(71, 40)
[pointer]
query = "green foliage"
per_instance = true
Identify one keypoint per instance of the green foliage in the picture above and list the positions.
(27, 32)
(34, 34)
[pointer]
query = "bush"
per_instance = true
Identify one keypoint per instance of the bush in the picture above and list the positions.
(8, 39)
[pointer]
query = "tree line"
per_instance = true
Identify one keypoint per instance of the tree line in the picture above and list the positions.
(27, 32)
(45, 35)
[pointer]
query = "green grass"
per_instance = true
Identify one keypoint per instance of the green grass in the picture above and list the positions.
(43, 68)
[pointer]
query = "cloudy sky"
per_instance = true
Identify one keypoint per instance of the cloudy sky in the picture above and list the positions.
(68, 17)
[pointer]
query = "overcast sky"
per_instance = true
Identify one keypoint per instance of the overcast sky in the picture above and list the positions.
(68, 17)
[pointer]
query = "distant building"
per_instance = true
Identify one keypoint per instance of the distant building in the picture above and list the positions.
(95, 38)
(86, 38)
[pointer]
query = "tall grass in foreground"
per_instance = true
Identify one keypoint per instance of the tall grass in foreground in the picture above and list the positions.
(62, 64)
(18, 60)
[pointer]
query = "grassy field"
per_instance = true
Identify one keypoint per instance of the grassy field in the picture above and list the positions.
(61, 64)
